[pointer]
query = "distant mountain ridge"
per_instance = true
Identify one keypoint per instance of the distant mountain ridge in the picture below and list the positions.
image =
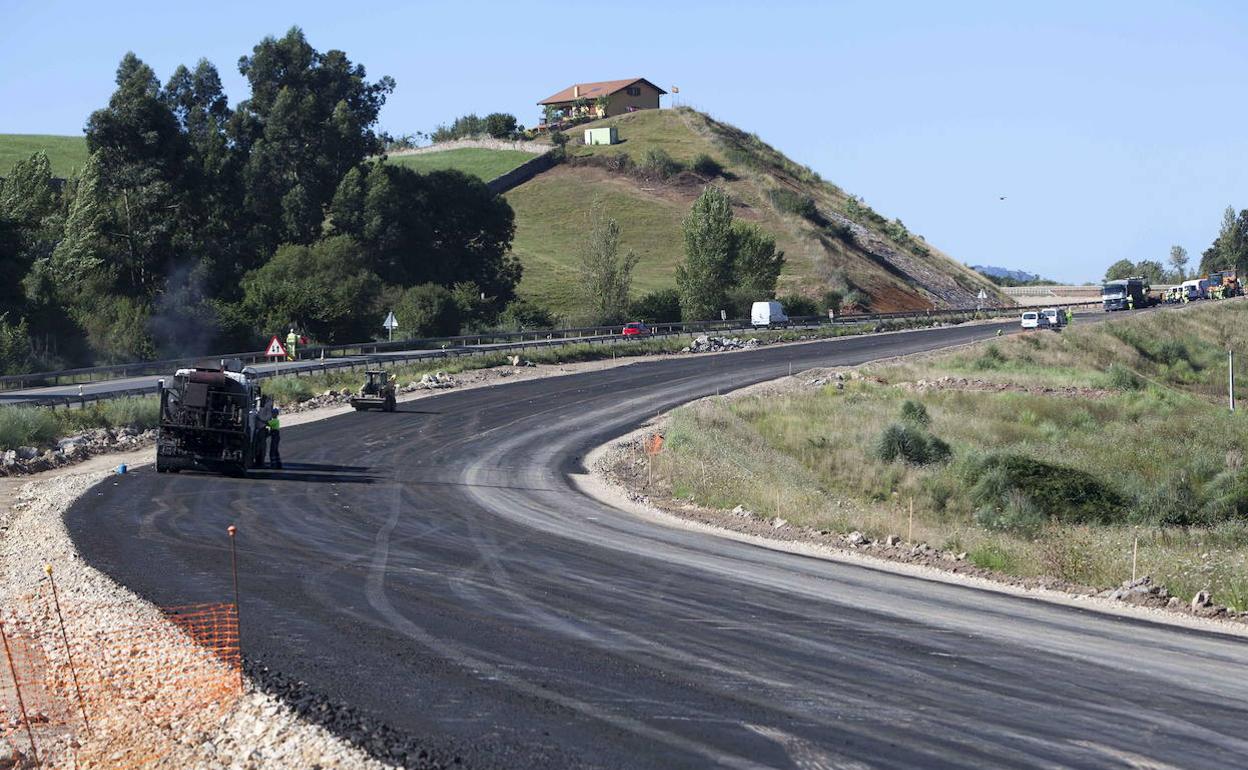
(1003, 272)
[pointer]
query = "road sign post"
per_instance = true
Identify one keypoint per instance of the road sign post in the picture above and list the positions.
(275, 349)
(391, 323)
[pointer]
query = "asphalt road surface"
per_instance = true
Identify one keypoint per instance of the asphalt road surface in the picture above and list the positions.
(438, 570)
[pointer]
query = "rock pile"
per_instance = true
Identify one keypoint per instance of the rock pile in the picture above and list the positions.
(431, 381)
(984, 386)
(707, 344)
(72, 449)
(1142, 591)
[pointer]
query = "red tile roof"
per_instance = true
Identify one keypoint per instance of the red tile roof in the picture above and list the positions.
(592, 91)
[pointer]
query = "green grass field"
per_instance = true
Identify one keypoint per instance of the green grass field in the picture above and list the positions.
(552, 218)
(66, 153)
(1035, 483)
(481, 163)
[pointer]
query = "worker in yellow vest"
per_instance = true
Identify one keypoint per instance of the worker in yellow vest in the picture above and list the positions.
(291, 340)
(275, 439)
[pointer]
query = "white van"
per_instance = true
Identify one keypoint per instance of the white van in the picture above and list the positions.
(1053, 317)
(1031, 320)
(769, 313)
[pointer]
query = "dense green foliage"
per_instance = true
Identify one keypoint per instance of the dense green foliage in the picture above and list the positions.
(499, 125)
(727, 264)
(660, 306)
(197, 226)
(606, 273)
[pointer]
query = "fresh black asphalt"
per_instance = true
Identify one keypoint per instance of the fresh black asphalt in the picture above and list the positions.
(437, 572)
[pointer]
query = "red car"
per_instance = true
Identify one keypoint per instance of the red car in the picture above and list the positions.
(635, 329)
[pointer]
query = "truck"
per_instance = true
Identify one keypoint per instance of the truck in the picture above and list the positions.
(1225, 283)
(1125, 293)
(213, 417)
(768, 313)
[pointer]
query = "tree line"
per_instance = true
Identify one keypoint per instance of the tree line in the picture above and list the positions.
(1228, 250)
(198, 226)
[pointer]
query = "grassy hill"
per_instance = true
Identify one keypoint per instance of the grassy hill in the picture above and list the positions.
(66, 153)
(830, 240)
(481, 163)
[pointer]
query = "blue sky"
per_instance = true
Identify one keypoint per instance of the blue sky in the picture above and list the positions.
(1115, 129)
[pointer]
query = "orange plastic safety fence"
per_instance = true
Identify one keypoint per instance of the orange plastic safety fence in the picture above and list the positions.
(120, 685)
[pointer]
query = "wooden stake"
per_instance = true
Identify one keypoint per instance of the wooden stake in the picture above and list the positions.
(56, 600)
(1135, 555)
(238, 610)
(910, 528)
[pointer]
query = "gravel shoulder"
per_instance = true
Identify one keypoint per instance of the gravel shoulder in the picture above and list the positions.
(617, 474)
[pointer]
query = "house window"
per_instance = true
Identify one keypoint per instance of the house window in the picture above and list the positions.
(633, 91)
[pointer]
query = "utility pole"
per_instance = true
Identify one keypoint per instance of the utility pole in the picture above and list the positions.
(1230, 378)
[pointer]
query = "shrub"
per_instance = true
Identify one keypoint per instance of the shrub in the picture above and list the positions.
(500, 125)
(1172, 352)
(659, 164)
(991, 358)
(26, 426)
(1122, 378)
(621, 163)
(661, 306)
(910, 444)
(856, 301)
(288, 390)
(914, 413)
(707, 166)
(16, 354)
(792, 202)
(1172, 503)
(992, 556)
(521, 315)
(797, 306)
(831, 300)
(1065, 494)
(140, 413)
(427, 310)
(1015, 513)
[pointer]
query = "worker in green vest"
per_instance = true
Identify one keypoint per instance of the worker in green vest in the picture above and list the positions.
(1130, 302)
(275, 440)
(1070, 316)
(291, 340)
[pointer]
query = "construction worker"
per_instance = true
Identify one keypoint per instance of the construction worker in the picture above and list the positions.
(1130, 302)
(275, 440)
(292, 339)
(1070, 316)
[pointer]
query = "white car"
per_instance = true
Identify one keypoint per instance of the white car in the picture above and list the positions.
(1031, 320)
(1053, 317)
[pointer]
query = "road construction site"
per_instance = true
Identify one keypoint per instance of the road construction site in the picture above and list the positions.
(442, 572)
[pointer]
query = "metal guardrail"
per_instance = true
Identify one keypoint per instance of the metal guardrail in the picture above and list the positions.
(362, 355)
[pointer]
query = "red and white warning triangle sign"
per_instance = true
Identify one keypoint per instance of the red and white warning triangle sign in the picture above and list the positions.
(275, 349)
